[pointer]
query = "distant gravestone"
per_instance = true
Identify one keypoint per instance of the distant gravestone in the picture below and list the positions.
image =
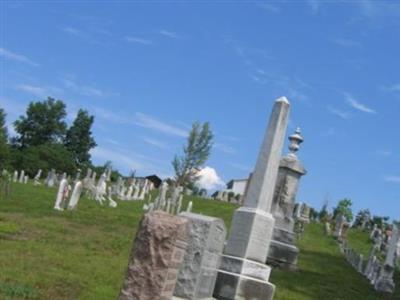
(15, 178)
(21, 176)
(60, 195)
(384, 281)
(206, 237)
(76, 194)
(156, 257)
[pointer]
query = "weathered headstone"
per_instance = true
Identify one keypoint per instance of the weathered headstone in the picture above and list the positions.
(384, 281)
(15, 177)
(76, 194)
(156, 256)
(282, 250)
(243, 273)
(21, 176)
(60, 195)
(197, 275)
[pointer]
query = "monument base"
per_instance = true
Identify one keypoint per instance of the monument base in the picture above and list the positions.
(283, 255)
(240, 278)
(231, 286)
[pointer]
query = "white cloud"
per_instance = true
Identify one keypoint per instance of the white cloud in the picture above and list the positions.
(314, 5)
(150, 122)
(83, 89)
(75, 32)
(339, 113)
(348, 43)
(7, 54)
(40, 91)
(156, 143)
(395, 179)
(209, 179)
(132, 39)
(108, 115)
(224, 148)
(119, 159)
(241, 167)
(269, 7)
(395, 88)
(357, 105)
(170, 34)
(385, 153)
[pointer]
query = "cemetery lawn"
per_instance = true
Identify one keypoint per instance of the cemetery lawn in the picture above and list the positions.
(46, 254)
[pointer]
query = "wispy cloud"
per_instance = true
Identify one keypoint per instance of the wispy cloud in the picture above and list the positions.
(269, 7)
(75, 32)
(150, 122)
(127, 160)
(394, 88)
(224, 148)
(347, 43)
(314, 5)
(240, 167)
(385, 153)
(340, 113)
(85, 90)
(358, 105)
(395, 179)
(137, 40)
(12, 107)
(374, 10)
(155, 143)
(169, 34)
(110, 116)
(39, 91)
(7, 54)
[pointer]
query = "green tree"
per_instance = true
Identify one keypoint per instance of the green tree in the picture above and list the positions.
(195, 154)
(323, 214)
(79, 139)
(344, 208)
(44, 123)
(4, 149)
(45, 157)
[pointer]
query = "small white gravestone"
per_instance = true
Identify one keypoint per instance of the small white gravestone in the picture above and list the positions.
(189, 207)
(111, 202)
(37, 177)
(15, 178)
(21, 176)
(26, 178)
(61, 194)
(76, 194)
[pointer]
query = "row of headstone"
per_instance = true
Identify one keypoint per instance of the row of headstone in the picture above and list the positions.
(136, 190)
(380, 274)
(21, 178)
(228, 196)
(168, 200)
(182, 254)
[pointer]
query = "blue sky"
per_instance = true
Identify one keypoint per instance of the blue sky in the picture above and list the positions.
(147, 71)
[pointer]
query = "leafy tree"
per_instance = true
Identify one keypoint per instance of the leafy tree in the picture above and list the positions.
(363, 217)
(195, 154)
(382, 222)
(344, 208)
(4, 149)
(79, 139)
(45, 157)
(44, 123)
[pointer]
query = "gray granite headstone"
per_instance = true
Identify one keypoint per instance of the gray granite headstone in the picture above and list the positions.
(198, 272)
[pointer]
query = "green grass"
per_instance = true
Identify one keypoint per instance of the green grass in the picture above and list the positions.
(359, 241)
(46, 254)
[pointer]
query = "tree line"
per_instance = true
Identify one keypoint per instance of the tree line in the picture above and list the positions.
(45, 141)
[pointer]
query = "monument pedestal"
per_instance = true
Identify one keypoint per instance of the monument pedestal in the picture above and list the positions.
(282, 251)
(243, 273)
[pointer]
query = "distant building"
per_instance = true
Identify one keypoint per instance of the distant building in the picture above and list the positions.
(234, 192)
(237, 186)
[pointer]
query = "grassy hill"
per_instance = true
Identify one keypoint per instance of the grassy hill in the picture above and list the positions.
(46, 254)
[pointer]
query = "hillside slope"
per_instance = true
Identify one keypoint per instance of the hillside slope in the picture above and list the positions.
(45, 254)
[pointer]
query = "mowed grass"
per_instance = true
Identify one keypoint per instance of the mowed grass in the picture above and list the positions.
(46, 254)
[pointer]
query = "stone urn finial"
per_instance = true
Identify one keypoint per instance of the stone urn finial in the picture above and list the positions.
(295, 140)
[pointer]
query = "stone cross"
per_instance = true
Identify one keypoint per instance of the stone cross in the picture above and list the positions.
(246, 251)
